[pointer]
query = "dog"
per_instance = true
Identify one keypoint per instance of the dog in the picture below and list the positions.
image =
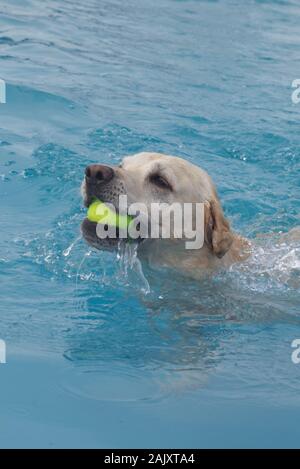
(158, 178)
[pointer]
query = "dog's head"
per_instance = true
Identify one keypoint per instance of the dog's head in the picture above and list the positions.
(152, 177)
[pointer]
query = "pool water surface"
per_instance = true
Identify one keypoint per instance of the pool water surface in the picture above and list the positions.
(100, 353)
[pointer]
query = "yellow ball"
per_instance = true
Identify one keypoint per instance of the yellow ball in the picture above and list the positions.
(100, 213)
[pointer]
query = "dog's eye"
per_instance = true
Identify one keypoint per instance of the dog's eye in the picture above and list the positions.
(160, 181)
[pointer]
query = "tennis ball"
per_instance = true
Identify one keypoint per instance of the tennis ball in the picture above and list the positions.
(100, 213)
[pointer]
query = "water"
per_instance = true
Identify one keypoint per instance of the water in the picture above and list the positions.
(102, 351)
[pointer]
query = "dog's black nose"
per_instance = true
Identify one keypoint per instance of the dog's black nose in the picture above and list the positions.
(96, 173)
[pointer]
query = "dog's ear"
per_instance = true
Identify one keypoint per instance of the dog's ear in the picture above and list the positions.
(218, 235)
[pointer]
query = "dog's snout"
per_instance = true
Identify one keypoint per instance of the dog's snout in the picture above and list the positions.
(96, 173)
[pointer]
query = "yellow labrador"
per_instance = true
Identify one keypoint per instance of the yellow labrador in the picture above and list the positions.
(154, 177)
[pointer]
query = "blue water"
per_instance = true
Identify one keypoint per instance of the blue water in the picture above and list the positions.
(92, 360)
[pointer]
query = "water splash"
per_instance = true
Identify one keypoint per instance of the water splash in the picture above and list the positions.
(67, 251)
(78, 274)
(127, 256)
(271, 265)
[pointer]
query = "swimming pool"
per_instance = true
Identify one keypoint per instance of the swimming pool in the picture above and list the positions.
(92, 360)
